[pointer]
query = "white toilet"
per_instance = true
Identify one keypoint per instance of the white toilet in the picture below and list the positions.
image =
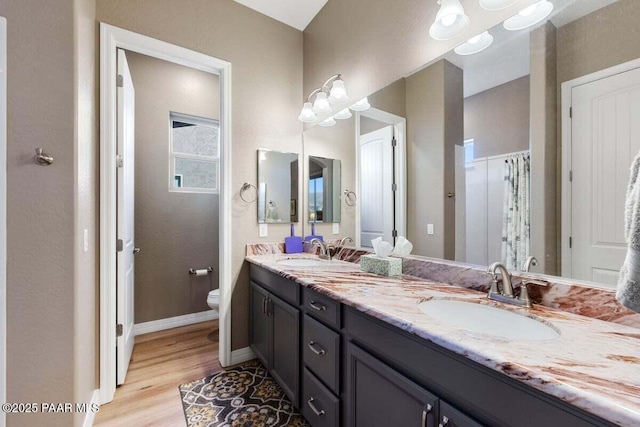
(213, 300)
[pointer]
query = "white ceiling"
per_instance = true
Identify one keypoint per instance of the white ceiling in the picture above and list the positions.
(296, 13)
(508, 58)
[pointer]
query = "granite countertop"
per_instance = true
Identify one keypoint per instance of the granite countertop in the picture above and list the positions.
(594, 365)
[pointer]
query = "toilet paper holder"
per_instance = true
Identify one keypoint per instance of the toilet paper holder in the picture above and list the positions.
(194, 271)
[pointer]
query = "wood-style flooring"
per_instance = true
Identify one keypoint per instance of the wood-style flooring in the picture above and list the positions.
(161, 361)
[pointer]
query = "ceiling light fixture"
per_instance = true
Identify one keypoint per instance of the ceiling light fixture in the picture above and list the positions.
(450, 22)
(343, 115)
(493, 5)
(530, 16)
(327, 122)
(475, 44)
(361, 105)
(331, 94)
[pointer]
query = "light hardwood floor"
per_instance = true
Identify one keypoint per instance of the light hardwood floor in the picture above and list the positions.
(161, 361)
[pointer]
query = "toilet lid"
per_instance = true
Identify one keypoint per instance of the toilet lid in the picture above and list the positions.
(214, 293)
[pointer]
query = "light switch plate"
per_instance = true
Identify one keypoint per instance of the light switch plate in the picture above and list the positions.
(429, 228)
(85, 240)
(336, 228)
(263, 230)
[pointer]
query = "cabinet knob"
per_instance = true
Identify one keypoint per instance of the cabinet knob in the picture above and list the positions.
(313, 407)
(316, 306)
(312, 347)
(426, 411)
(445, 422)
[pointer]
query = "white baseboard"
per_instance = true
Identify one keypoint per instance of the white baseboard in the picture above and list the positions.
(90, 416)
(242, 355)
(174, 322)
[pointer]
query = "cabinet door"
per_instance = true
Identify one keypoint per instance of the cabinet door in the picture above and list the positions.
(451, 417)
(380, 396)
(259, 333)
(285, 346)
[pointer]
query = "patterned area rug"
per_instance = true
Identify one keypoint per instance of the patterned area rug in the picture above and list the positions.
(244, 396)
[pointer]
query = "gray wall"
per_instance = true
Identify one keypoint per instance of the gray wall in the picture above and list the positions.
(266, 56)
(434, 125)
(345, 37)
(498, 119)
(175, 231)
(50, 279)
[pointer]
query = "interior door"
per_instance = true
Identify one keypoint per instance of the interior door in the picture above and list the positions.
(125, 229)
(461, 211)
(605, 138)
(376, 186)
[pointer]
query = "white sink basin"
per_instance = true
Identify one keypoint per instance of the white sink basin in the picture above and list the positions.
(302, 262)
(488, 320)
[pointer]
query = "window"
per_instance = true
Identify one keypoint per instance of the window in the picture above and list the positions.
(469, 151)
(194, 154)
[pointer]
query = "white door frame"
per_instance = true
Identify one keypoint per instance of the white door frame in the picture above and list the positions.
(400, 125)
(112, 38)
(567, 88)
(3, 216)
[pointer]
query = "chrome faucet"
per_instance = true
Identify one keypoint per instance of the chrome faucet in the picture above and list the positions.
(324, 248)
(530, 261)
(346, 240)
(506, 295)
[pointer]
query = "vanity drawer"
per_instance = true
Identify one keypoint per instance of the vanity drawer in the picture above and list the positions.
(322, 308)
(319, 406)
(286, 289)
(321, 352)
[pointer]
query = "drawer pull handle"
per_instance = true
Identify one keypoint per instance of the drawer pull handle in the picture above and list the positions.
(312, 345)
(316, 306)
(445, 422)
(313, 407)
(426, 411)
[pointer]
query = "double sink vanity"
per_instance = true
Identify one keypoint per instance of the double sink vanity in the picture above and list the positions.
(351, 348)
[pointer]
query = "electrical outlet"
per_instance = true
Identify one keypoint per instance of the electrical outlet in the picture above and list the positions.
(263, 230)
(430, 229)
(336, 228)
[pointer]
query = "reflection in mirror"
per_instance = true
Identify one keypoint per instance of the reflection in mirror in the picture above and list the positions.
(324, 189)
(553, 109)
(277, 187)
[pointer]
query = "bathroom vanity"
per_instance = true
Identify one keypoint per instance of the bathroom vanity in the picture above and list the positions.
(353, 349)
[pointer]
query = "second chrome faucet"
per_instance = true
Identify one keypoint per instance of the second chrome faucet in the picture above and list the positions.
(506, 294)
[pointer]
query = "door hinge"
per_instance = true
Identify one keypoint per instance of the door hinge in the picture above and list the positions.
(119, 161)
(570, 112)
(119, 245)
(394, 233)
(394, 187)
(119, 330)
(119, 80)
(570, 176)
(570, 242)
(394, 142)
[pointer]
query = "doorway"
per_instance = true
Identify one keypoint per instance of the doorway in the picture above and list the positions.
(381, 178)
(601, 137)
(111, 40)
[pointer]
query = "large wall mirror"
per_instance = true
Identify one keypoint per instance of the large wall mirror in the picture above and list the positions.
(523, 148)
(278, 187)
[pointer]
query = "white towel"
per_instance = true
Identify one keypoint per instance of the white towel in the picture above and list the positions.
(629, 283)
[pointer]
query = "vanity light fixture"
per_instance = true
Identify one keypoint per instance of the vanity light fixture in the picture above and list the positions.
(493, 5)
(343, 114)
(529, 16)
(326, 123)
(450, 22)
(361, 105)
(475, 44)
(331, 94)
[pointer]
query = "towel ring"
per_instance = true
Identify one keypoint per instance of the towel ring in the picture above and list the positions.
(350, 198)
(246, 186)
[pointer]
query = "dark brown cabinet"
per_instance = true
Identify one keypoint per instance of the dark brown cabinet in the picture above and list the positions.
(275, 335)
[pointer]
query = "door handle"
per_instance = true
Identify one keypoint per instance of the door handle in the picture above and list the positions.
(136, 251)
(312, 345)
(313, 407)
(426, 411)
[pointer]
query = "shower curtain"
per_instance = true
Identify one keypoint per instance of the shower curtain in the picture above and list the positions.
(516, 234)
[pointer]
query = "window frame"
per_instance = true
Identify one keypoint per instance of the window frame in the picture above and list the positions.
(173, 155)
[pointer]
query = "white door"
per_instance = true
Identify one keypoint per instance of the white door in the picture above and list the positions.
(461, 218)
(376, 191)
(125, 257)
(476, 216)
(605, 133)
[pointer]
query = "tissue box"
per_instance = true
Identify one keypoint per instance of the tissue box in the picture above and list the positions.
(383, 266)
